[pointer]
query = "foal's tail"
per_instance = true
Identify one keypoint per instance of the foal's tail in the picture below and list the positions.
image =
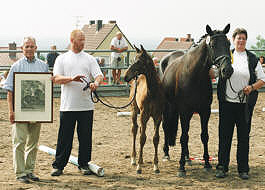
(170, 126)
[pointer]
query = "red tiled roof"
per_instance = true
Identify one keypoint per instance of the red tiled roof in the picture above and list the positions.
(93, 37)
(5, 60)
(171, 43)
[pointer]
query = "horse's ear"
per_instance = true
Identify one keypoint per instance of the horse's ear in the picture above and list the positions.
(209, 30)
(142, 48)
(226, 29)
(137, 49)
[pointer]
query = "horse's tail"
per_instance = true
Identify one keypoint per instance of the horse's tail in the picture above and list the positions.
(164, 63)
(170, 125)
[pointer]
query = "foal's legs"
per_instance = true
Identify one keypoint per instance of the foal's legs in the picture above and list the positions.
(144, 117)
(185, 125)
(157, 122)
(134, 132)
(205, 115)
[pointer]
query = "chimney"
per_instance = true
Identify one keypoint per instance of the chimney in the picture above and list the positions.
(91, 22)
(12, 46)
(112, 22)
(99, 25)
(188, 38)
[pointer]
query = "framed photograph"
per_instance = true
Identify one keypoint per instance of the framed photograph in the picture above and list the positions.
(33, 97)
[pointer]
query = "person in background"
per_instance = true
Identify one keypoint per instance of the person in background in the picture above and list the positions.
(237, 97)
(261, 60)
(101, 63)
(25, 136)
(118, 45)
(70, 69)
(3, 77)
(51, 56)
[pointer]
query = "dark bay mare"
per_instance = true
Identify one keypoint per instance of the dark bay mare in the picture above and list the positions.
(188, 89)
(149, 102)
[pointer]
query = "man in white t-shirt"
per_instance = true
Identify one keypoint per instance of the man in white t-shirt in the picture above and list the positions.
(118, 45)
(76, 104)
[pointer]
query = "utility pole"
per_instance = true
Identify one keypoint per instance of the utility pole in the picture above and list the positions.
(78, 22)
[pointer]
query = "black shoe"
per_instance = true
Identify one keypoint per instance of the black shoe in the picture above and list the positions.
(244, 175)
(23, 179)
(56, 172)
(32, 177)
(84, 170)
(220, 173)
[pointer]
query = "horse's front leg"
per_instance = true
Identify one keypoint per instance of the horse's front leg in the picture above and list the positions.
(184, 139)
(204, 116)
(134, 133)
(157, 122)
(144, 117)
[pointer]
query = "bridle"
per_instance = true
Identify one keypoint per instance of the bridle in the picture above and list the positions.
(216, 61)
(95, 97)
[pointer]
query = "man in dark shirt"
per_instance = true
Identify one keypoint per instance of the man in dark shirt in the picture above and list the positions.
(52, 56)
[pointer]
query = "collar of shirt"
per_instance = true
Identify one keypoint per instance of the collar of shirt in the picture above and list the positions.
(28, 61)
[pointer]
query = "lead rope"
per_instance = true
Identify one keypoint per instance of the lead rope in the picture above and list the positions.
(95, 97)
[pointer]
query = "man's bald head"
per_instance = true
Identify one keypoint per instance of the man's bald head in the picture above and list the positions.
(77, 39)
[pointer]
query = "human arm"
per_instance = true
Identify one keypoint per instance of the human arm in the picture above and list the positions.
(94, 85)
(259, 83)
(10, 107)
(60, 79)
(112, 47)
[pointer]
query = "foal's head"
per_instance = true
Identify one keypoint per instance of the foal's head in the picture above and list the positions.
(219, 50)
(143, 64)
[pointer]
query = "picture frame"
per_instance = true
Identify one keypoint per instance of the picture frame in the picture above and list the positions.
(33, 97)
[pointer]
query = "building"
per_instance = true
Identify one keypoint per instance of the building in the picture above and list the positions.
(7, 59)
(173, 43)
(99, 36)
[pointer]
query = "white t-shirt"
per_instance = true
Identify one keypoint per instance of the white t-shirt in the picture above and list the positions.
(240, 77)
(73, 98)
(118, 44)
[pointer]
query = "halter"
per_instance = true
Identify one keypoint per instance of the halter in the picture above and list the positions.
(216, 60)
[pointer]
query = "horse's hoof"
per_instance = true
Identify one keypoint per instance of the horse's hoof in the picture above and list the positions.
(182, 174)
(165, 158)
(133, 162)
(157, 171)
(139, 171)
(189, 162)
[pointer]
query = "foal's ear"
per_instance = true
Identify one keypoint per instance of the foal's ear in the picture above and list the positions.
(137, 49)
(209, 30)
(226, 29)
(142, 48)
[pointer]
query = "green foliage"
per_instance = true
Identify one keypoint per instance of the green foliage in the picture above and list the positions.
(41, 57)
(259, 45)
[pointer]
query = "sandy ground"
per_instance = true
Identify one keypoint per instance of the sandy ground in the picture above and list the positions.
(112, 150)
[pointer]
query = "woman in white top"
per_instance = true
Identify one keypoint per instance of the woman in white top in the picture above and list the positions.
(237, 97)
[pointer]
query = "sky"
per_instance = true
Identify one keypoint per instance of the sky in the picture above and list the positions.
(143, 22)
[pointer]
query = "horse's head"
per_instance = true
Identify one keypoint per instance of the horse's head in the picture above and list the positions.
(219, 49)
(143, 64)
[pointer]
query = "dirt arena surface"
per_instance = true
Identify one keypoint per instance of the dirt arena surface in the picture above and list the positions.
(112, 150)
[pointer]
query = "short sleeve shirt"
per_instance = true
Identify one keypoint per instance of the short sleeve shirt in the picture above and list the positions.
(24, 65)
(118, 44)
(70, 64)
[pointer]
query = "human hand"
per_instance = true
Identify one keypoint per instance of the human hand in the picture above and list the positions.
(12, 117)
(77, 78)
(248, 89)
(93, 86)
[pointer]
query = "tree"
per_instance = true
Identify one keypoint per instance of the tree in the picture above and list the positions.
(259, 45)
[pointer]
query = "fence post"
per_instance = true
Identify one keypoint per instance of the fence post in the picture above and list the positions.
(128, 59)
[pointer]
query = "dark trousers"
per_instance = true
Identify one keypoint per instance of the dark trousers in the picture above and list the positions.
(231, 114)
(68, 120)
